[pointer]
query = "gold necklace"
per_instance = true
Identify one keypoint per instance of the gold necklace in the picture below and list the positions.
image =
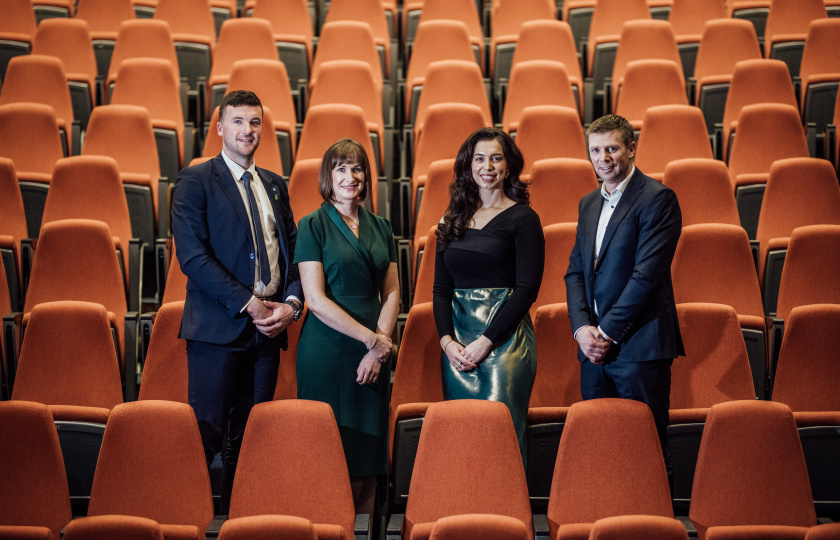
(352, 223)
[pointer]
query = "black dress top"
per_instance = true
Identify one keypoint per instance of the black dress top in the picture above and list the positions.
(508, 252)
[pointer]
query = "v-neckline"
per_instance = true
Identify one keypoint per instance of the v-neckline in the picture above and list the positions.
(492, 219)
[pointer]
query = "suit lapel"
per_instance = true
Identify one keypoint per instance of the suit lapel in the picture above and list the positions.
(628, 198)
(592, 213)
(228, 185)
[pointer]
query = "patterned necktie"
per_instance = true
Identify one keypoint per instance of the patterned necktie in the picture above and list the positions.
(265, 267)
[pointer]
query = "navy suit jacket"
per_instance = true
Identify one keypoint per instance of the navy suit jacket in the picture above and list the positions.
(631, 278)
(216, 250)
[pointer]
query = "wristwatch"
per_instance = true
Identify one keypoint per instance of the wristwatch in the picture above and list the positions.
(295, 305)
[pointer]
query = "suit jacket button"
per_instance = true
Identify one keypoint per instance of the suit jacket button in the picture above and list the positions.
(252, 256)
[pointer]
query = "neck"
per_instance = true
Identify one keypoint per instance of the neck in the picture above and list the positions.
(492, 198)
(347, 209)
(243, 161)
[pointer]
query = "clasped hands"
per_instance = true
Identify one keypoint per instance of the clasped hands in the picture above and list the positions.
(269, 317)
(371, 363)
(593, 344)
(466, 358)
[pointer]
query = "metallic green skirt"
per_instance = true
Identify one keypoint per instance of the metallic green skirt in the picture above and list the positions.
(507, 374)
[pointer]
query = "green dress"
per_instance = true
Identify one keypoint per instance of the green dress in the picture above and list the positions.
(354, 270)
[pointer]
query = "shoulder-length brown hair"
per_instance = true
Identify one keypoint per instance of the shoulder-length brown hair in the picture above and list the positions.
(343, 151)
(464, 192)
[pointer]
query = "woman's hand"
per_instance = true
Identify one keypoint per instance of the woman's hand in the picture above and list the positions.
(368, 369)
(381, 348)
(478, 350)
(454, 353)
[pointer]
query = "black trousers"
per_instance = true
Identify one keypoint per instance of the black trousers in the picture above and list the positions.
(225, 382)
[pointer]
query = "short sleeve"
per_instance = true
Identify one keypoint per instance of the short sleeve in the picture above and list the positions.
(310, 240)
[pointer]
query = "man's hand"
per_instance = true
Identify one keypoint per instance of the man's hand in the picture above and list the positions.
(593, 345)
(277, 316)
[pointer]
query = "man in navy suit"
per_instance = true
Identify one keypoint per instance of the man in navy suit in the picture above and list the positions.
(618, 285)
(235, 238)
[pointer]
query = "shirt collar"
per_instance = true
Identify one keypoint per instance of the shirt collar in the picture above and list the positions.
(236, 169)
(621, 187)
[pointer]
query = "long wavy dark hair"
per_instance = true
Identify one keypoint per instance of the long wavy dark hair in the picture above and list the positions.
(463, 191)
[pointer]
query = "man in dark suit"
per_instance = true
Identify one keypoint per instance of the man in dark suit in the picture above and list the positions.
(235, 237)
(618, 285)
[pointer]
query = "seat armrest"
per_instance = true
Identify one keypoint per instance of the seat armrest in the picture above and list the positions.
(754, 252)
(11, 342)
(135, 273)
(27, 247)
(361, 528)
(395, 526)
(130, 365)
(164, 187)
(689, 526)
(541, 529)
(215, 526)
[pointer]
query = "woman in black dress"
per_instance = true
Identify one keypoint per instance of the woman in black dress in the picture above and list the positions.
(488, 269)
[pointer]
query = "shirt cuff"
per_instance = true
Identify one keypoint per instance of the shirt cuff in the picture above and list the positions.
(605, 336)
(248, 303)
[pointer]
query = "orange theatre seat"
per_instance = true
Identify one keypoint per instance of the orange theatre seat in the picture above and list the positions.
(688, 18)
(38, 78)
(369, 12)
(292, 463)
(446, 482)
(819, 72)
(463, 11)
(165, 363)
(557, 186)
(69, 40)
(559, 241)
(436, 40)
(17, 28)
(34, 501)
(417, 384)
(712, 371)
(800, 192)
(34, 156)
(152, 83)
(74, 180)
(68, 362)
(304, 193)
(424, 281)
(290, 20)
(767, 486)
(125, 133)
(808, 277)
(12, 231)
(648, 83)
(507, 21)
(549, 132)
(104, 18)
(556, 388)
(152, 465)
(245, 38)
(479, 527)
(194, 34)
(533, 83)
(142, 38)
(669, 133)
(104, 527)
(584, 490)
(268, 527)
(724, 43)
(787, 28)
(703, 189)
(638, 528)
(806, 380)
(434, 203)
(544, 39)
(766, 133)
(270, 81)
(713, 263)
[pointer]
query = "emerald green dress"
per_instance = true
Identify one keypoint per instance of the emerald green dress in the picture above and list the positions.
(354, 270)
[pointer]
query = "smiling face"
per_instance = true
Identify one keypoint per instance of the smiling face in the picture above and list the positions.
(489, 166)
(241, 129)
(610, 157)
(348, 179)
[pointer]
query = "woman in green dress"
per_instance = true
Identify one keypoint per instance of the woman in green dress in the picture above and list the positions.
(347, 260)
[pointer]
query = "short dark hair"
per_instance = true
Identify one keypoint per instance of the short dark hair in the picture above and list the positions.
(612, 122)
(343, 151)
(238, 98)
